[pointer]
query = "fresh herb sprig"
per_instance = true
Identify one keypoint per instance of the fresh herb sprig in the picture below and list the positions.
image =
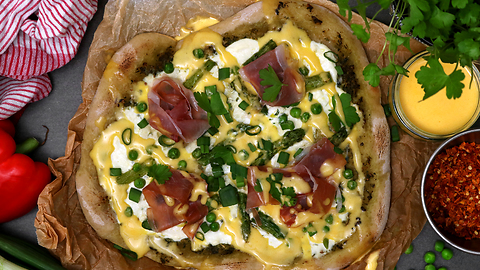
(452, 26)
(213, 105)
(269, 77)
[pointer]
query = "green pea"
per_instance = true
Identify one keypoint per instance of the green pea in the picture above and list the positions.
(329, 219)
(342, 209)
(182, 164)
(169, 68)
(142, 107)
(429, 257)
(447, 254)
(133, 155)
(348, 174)
(352, 185)
(439, 245)
(146, 225)
(282, 118)
(211, 217)
(198, 53)
(305, 117)
(316, 108)
(128, 211)
(173, 153)
(214, 226)
(139, 183)
(409, 249)
(442, 268)
(296, 112)
(326, 229)
(430, 267)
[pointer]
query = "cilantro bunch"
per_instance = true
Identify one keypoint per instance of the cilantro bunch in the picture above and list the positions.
(453, 26)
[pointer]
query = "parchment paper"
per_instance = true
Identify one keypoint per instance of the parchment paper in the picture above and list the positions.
(61, 226)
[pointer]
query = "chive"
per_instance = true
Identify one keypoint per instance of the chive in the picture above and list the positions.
(168, 68)
(205, 228)
(325, 242)
(270, 45)
(173, 153)
(142, 123)
(387, 110)
(213, 184)
(115, 171)
(165, 141)
(243, 154)
(339, 70)
(287, 125)
(243, 105)
(238, 171)
(231, 148)
(217, 170)
(310, 96)
(198, 53)
(252, 147)
(298, 152)
(134, 195)
(240, 182)
(228, 196)
(142, 107)
(139, 183)
(228, 117)
(127, 136)
(333, 58)
(253, 130)
(283, 158)
(200, 236)
(267, 145)
(146, 225)
(223, 73)
(128, 211)
(203, 141)
(304, 71)
(395, 133)
(212, 131)
(126, 252)
(132, 154)
(258, 186)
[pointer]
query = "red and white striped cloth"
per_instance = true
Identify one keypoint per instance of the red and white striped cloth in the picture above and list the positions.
(36, 37)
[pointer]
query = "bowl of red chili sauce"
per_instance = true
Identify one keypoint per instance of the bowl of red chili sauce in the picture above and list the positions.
(451, 191)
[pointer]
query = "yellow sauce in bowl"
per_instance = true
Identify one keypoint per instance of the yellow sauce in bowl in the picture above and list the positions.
(437, 117)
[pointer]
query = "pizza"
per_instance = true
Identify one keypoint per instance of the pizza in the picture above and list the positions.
(254, 142)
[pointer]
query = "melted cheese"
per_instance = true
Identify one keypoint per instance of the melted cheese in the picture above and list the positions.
(267, 249)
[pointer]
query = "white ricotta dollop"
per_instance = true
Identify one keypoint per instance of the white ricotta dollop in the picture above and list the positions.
(243, 49)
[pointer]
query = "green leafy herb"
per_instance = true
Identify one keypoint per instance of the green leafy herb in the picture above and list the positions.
(213, 106)
(351, 116)
(433, 79)
(160, 173)
(269, 77)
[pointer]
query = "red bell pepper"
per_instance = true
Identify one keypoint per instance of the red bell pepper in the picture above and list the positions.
(21, 179)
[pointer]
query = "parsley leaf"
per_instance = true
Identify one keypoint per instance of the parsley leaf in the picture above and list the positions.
(351, 116)
(360, 32)
(433, 79)
(269, 77)
(213, 106)
(160, 173)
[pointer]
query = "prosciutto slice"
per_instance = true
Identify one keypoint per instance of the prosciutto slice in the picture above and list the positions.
(164, 214)
(174, 111)
(294, 86)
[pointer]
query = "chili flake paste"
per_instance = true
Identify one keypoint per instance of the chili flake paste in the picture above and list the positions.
(452, 190)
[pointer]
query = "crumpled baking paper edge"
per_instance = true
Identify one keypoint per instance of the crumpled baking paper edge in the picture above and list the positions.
(61, 226)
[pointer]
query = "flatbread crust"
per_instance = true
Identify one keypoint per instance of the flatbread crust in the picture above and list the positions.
(143, 53)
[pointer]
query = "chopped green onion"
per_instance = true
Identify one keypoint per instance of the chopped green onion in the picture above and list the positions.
(283, 158)
(127, 136)
(217, 170)
(128, 211)
(228, 195)
(326, 229)
(231, 148)
(132, 154)
(134, 195)
(304, 71)
(182, 164)
(298, 152)
(126, 252)
(253, 130)
(240, 182)
(252, 147)
(212, 131)
(149, 149)
(200, 236)
(205, 228)
(238, 171)
(223, 73)
(339, 70)
(287, 125)
(168, 68)
(258, 186)
(173, 153)
(329, 219)
(214, 226)
(146, 225)
(139, 183)
(228, 118)
(243, 105)
(213, 184)
(267, 145)
(330, 55)
(142, 123)
(352, 185)
(337, 150)
(395, 133)
(296, 112)
(198, 53)
(264, 110)
(243, 154)
(142, 107)
(325, 242)
(115, 171)
(165, 141)
(387, 110)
